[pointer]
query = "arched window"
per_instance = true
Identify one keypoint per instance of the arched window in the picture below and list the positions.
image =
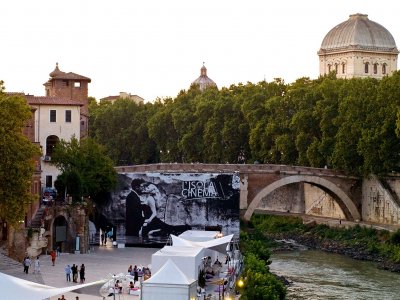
(375, 68)
(343, 68)
(384, 69)
(329, 68)
(366, 68)
(336, 68)
(51, 142)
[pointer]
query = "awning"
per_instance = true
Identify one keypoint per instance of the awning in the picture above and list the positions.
(13, 288)
(219, 244)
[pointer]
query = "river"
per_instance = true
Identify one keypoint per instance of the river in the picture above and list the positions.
(320, 275)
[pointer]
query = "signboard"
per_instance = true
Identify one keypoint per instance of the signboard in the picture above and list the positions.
(147, 208)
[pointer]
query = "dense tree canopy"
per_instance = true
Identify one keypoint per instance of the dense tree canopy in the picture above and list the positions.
(350, 125)
(86, 170)
(16, 158)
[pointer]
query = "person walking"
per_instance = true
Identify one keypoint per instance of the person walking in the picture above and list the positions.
(82, 274)
(53, 257)
(74, 270)
(27, 263)
(36, 265)
(68, 273)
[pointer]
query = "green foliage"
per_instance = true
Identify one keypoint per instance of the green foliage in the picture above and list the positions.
(395, 237)
(259, 283)
(16, 158)
(86, 169)
(352, 125)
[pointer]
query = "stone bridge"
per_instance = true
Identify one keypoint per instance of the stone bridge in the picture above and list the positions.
(280, 187)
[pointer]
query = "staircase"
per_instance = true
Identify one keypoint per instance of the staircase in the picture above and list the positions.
(36, 221)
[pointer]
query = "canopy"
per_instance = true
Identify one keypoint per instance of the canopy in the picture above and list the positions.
(170, 282)
(199, 235)
(219, 244)
(169, 274)
(187, 259)
(13, 288)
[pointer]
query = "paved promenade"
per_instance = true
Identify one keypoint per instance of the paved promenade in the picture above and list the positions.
(102, 260)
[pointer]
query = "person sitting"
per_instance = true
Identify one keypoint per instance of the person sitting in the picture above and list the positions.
(118, 286)
(131, 285)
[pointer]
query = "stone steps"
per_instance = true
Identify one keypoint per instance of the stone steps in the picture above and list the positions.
(36, 221)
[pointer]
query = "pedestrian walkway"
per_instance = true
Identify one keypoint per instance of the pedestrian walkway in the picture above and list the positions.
(100, 263)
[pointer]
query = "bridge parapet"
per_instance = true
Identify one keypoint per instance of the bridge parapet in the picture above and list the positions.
(230, 168)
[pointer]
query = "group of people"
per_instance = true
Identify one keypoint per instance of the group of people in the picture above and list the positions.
(135, 273)
(74, 271)
(27, 262)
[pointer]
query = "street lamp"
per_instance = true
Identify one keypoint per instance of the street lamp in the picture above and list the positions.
(240, 283)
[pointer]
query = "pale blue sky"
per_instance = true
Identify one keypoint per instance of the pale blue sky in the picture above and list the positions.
(156, 48)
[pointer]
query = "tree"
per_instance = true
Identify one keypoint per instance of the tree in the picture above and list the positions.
(16, 158)
(86, 170)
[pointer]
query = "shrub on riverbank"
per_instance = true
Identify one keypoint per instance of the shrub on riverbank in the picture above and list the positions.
(259, 283)
(357, 241)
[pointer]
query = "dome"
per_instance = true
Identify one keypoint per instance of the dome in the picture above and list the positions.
(204, 81)
(56, 72)
(358, 33)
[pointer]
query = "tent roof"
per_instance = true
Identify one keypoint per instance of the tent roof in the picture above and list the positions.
(199, 235)
(219, 244)
(169, 274)
(181, 251)
(13, 288)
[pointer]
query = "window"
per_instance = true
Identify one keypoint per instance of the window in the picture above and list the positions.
(336, 68)
(366, 68)
(49, 181)
(329, 68)
(343, 68)
(375, 68)
(53, 116)
(51, 142)
(68, 116)
(65, 82)
(77, 84)
(384, 69)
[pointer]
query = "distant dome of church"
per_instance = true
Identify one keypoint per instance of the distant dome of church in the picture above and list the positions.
(360, 48)
(204, 81)
(359, 33)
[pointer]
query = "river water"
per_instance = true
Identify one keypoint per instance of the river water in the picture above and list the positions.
(321, 275)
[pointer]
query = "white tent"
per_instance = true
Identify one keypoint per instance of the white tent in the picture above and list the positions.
(169, 283)
(217, 244)
(13, 288)
(187, 259)
(199, 235)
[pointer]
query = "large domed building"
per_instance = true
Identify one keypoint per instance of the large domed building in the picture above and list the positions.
(204, 81)
(358, 47)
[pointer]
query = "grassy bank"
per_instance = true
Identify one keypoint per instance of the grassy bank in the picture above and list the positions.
(257, 281)
(357, 242)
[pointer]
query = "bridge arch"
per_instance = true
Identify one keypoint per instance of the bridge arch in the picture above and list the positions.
(324, 184)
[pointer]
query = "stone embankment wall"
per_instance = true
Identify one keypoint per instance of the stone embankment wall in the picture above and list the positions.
(321, 204)
(380, 200)
(285, 199)
(302, 198)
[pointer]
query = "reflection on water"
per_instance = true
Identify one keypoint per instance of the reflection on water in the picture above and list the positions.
(320, 275)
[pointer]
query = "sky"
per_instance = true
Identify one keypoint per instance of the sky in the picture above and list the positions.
(155, 48)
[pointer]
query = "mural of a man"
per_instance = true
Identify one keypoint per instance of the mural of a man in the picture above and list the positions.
(134, 214)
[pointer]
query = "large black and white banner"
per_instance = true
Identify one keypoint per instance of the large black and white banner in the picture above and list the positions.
(147, 208)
